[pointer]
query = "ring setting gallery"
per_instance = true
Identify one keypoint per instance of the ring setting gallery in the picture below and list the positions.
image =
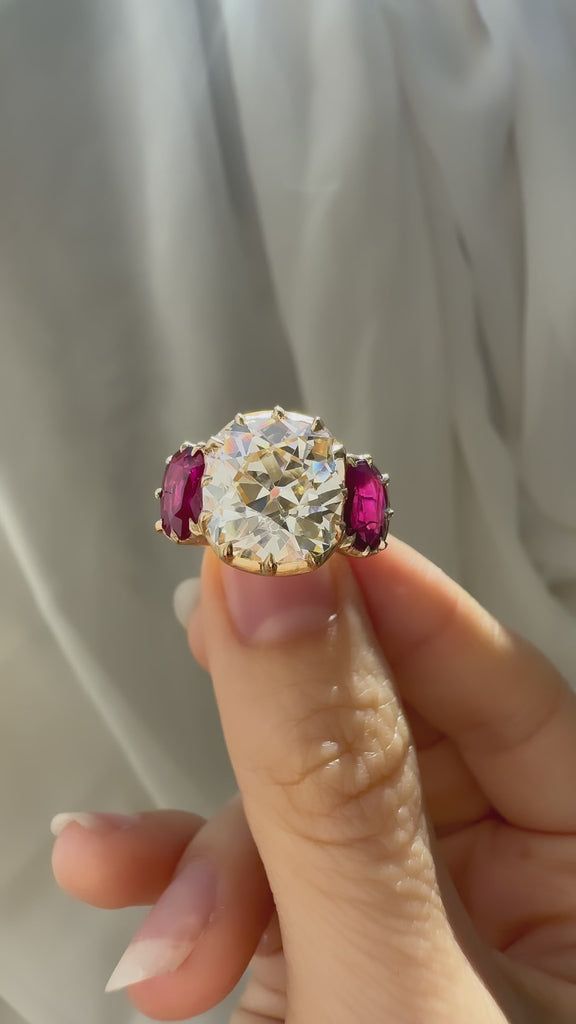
(275, 493)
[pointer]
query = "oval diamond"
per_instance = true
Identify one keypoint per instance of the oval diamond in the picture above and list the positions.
(273, 492)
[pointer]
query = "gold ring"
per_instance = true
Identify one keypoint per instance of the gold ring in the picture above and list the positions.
(274, 492)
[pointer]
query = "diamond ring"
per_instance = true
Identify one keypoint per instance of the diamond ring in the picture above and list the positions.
(274, 492)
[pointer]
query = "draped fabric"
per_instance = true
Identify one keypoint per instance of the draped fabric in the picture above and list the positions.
(365, 209)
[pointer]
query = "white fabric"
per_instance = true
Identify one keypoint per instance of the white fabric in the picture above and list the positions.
(363, 209)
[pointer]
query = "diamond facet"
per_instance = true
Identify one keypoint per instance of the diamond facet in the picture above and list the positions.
(366, 508)
(274, 490)
(181, 495)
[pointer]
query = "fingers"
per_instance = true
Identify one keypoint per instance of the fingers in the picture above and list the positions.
(115, 861)
(211, 901)
(510, 713)
(329, 780)
(198, 939)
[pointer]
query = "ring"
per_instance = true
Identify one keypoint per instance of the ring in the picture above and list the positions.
(274, 492)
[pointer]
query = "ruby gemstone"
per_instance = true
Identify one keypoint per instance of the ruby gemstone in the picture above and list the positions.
(181, 498)
(366, 507)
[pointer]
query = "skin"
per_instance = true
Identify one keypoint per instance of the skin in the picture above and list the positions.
(407, 794)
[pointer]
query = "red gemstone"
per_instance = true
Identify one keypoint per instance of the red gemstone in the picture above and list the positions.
(366, 507)
(181, 498)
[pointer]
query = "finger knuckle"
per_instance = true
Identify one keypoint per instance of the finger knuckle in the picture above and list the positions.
(351, 775)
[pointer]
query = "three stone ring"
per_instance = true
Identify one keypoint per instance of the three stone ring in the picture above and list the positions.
(274, 492)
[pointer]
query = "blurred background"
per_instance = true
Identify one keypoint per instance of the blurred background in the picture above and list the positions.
(364, 209)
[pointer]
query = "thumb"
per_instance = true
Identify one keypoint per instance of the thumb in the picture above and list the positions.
(329, 780)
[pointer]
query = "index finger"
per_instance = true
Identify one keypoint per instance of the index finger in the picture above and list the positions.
(508, 710)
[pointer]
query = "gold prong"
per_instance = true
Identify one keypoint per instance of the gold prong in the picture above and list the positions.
(169, 460)
(240, 418)
(347, 542)
(385, 478)
(185, 445)
(226, 551)
(211, 444)
(389, 512)
(158, 493)
(158, 526)
(195, 529)
(366, 457)
(344, 493)
(352, 460)
(314, 561)
(339, 451)
(203, 520)
(383, 544)
(269, 566)
(318, 424)
(278, 412)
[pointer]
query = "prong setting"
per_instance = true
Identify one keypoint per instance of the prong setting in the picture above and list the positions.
(196, 487)
(226, 552)
(269, 567)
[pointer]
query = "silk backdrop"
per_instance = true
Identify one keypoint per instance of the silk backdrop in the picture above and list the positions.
(363, 209)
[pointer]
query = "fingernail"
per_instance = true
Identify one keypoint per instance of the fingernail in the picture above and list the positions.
(266, 610)
(172, 928)
(91, 822)
(271, 939)
(186, 597)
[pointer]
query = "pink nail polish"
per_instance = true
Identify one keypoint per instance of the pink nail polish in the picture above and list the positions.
(172, 928)
(265, 611)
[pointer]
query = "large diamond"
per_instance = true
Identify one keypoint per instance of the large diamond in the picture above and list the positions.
(273, 492)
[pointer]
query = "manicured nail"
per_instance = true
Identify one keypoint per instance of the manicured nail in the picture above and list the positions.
(186, 597)
(266, 610)
(91, 822)
(172, 928)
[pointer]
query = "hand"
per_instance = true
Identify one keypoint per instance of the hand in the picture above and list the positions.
(406, 768)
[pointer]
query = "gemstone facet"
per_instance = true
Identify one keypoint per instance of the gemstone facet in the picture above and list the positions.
(181, 496)
(366, 508)
(274, 491)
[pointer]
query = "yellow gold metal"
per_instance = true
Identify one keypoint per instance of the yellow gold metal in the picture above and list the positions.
(269, 567)
(346, 543)
(226, 552)
(203, 521)
(315, 561)
(246, 559)
(211, 445)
